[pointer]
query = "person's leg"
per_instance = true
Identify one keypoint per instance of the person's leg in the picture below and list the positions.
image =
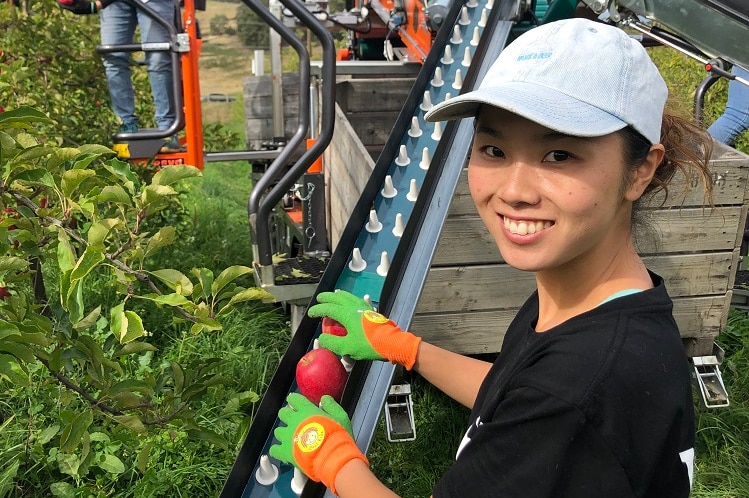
(159, 63)
(735, 119)
(118, 22)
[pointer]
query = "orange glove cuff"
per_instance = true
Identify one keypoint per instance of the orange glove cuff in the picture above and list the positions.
(322, 447)
(394, 344)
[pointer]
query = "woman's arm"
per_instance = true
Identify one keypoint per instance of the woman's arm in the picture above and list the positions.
(355, 480)
(456, 375)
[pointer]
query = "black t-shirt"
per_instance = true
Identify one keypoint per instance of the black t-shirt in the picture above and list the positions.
(599, 406)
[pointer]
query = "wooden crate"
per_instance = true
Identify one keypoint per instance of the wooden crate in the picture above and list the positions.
(347, 166)
(258, 108)
(371, 106)
(471, 295)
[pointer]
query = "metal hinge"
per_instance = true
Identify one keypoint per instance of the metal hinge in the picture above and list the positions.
(399, 414)
(709, 379)
(183, 42)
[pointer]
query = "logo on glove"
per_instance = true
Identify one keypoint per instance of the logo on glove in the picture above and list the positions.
(310, 437)
(375, 317)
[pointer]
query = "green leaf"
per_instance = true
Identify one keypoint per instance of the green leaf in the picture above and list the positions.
(179, 377)
(122, 171)
(175, 280)
(72, 434)
(62, 489)
(68, 463)
(7, 144)
(36, 177)
(114, 193)
(142, 461)
(251, 294)
(172, 174)
(87, 262)
(95, 149)
(173, 299)
(31, 154)
(132, 422)
(134, 347)
(156, 193)
(209, 324)
(98, 436)
(73, 178)
(47, 434)
(26, 140)
(13, 263)
(8, 329)
(65, 254)
(100, 230)
(89, 320)
(23, 115)
(226, 276)
(20, 351)
(118, 321)
(111, 464)
(11, 370)
(164, 237)
(134, 328)
(61, 155)
(84, 161)
(205, 277)
(130, 385)
(210, 436)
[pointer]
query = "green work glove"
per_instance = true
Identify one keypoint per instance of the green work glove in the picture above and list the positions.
(318, 441)
(369, 335)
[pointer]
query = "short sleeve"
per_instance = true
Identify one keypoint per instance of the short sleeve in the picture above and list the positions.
(534, 445)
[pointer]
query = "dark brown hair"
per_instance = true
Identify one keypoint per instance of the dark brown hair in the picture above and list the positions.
(687, 150)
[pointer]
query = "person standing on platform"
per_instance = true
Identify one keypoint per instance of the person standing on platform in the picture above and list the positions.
(118, 22)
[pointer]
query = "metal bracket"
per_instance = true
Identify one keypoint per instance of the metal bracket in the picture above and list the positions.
(399, 414)
(183, 42)
(709, 379)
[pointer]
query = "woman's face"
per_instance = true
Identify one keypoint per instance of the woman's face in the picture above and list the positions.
(551, 201)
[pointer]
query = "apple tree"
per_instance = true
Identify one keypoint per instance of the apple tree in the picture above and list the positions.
(70, 216)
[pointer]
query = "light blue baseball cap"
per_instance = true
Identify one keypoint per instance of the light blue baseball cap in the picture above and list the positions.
(576, 76)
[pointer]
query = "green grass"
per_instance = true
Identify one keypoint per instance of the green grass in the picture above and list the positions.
(722, 447)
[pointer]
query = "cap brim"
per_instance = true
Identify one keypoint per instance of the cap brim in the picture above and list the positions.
(542, 105)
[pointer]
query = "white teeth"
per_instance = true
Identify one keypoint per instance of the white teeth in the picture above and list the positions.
(525, 227)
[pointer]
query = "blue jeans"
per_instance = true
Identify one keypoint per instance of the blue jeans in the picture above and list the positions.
(118, 23)
(735, 119)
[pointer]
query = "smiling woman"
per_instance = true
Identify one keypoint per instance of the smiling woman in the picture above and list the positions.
(591, 394)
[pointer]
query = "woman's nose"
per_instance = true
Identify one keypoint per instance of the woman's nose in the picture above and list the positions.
(518, 185)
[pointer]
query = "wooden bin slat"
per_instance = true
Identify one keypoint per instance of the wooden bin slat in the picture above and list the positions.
(729, 178)
(347, 170)
(465, 240)
(699, 319)
(484, 287)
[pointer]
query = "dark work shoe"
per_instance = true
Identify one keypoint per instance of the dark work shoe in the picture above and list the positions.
(170, 145)
(128, 128)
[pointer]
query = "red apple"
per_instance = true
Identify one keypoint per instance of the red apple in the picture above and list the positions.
(320, 372)
(330, 326)
(4, 293)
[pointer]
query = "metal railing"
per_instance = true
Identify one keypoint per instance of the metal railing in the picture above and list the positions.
(260, 206)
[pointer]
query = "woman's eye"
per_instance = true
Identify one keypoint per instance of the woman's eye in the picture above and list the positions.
(557, 156)
(493, 151)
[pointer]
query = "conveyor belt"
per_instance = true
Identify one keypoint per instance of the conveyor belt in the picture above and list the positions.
(404, 165)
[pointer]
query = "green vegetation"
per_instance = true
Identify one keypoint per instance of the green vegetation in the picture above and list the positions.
(54, 443)
(125, 354)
